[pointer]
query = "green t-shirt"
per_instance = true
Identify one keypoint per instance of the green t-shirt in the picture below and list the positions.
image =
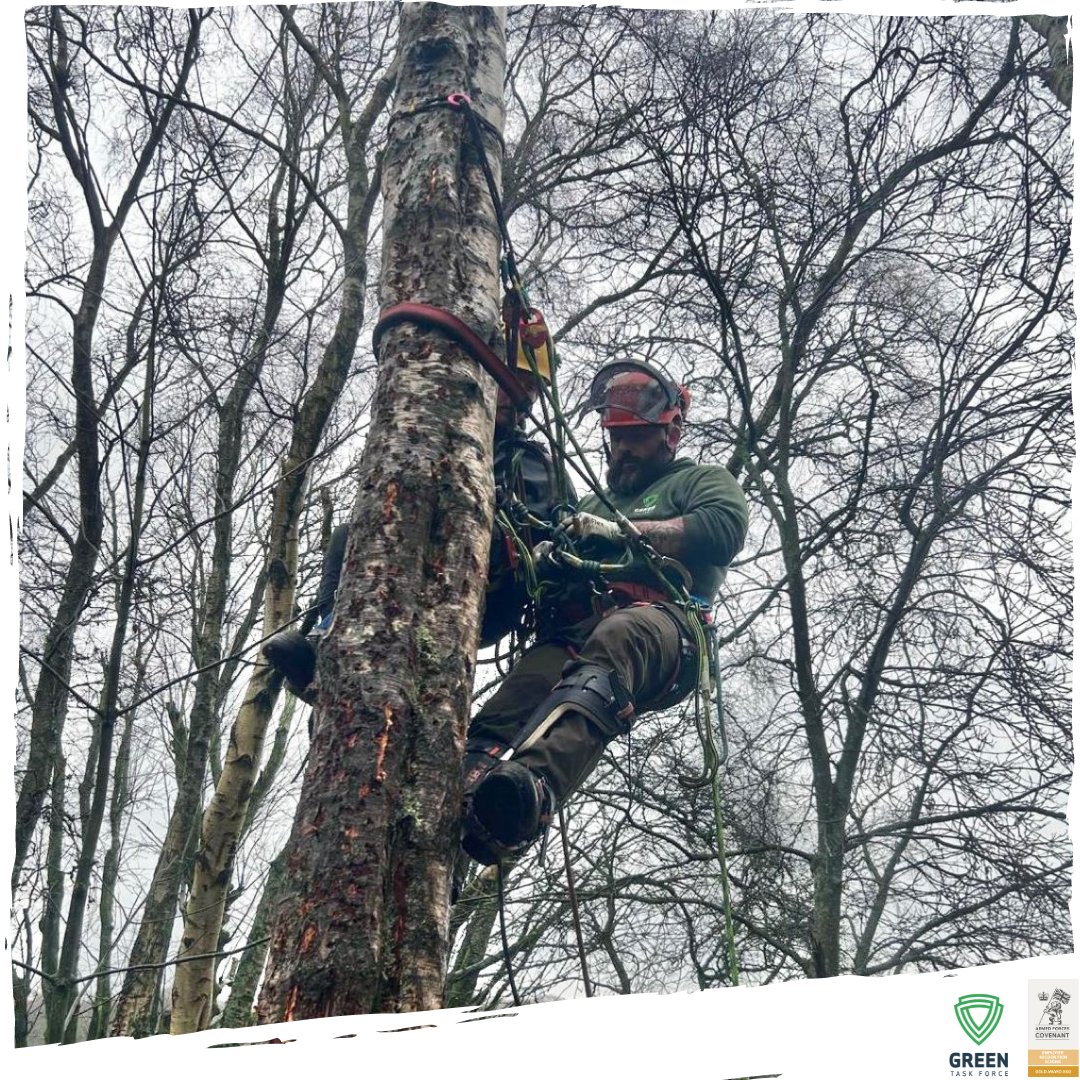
(713, 506)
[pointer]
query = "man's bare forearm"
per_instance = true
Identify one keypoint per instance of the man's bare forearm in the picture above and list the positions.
(668, 536)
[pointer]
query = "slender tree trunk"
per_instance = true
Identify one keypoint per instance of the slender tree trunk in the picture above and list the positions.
(20, 986)
(362, 924)
(274, 760)
(110, 872)
(239, 1009)
(193, 989)
(478, 909)
(54, 896)
(51, 697)
(20, 992)
(139, 1001)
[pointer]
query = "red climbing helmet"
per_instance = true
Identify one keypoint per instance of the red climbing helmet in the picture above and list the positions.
(633, 393)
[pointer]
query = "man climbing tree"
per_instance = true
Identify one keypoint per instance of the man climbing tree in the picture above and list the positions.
(615, 640)
(361, 925)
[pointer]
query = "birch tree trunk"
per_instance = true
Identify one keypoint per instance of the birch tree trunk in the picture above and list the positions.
(51, 696)
(223, 822)
(362, 923)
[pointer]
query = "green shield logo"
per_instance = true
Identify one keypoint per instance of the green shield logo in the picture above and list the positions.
(978, 1030)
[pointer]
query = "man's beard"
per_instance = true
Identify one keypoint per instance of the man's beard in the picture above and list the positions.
(629, 475)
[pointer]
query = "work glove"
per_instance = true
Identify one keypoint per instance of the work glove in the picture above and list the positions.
(582, 526)
(543, 551)
(549, 567)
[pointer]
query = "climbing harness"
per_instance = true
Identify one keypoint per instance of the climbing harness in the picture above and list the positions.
(698, 670)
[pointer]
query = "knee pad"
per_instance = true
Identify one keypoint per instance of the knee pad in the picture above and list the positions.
(586, 688)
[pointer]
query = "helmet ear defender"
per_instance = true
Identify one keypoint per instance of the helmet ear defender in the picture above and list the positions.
(673, 433)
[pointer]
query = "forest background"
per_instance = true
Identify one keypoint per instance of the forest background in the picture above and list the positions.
(849, 235)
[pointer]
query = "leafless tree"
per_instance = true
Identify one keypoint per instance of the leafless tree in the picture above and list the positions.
(359, 103)
(848, 236)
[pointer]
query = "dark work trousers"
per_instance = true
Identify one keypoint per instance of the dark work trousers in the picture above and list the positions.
(642, 644)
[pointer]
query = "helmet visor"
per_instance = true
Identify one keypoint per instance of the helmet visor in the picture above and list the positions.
(629, 393)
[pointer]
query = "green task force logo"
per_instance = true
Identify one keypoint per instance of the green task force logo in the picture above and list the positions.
(648, 502)
(978, 1030)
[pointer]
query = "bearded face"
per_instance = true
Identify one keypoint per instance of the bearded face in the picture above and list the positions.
(637, 456)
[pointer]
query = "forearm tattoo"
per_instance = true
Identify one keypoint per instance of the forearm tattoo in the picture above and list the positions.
(668, 537)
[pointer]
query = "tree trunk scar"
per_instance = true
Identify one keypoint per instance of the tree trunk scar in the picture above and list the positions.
(389, 501)
(381, 741)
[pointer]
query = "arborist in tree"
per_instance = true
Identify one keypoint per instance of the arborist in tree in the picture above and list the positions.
(615, 639)
(525, 482)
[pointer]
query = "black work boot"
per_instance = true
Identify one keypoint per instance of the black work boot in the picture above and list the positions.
(506, 812)
(291, 653)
